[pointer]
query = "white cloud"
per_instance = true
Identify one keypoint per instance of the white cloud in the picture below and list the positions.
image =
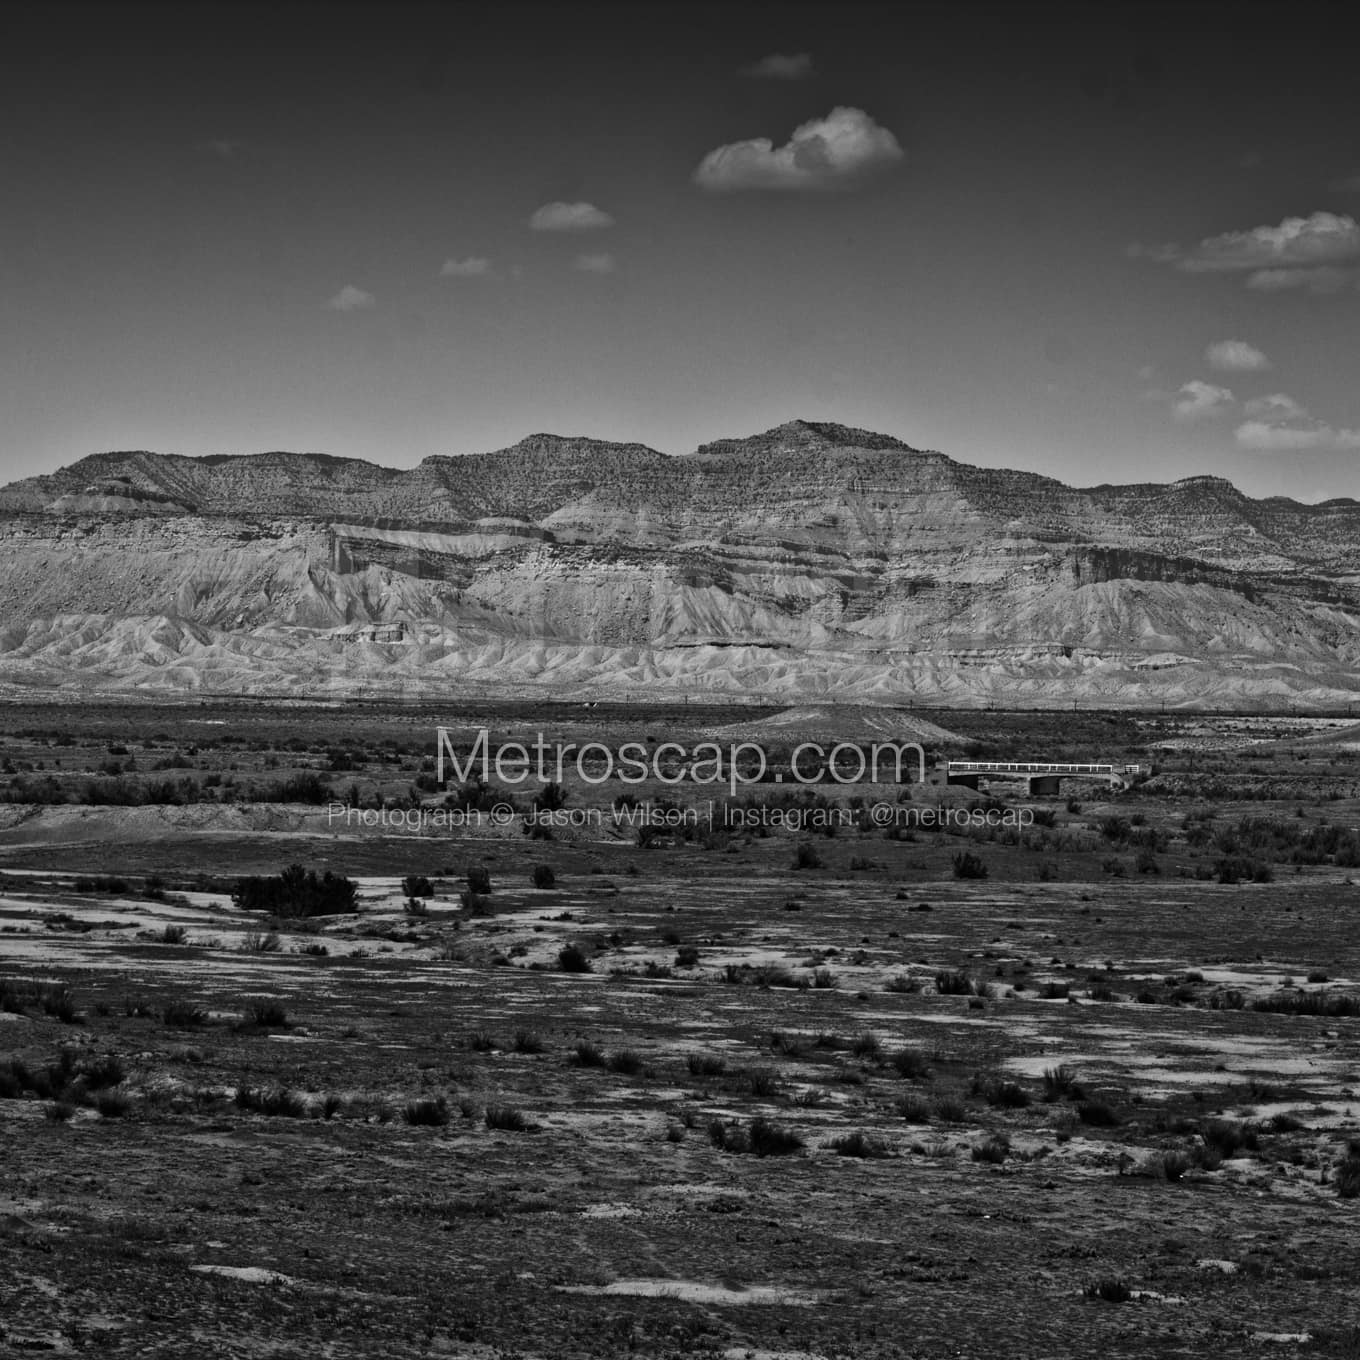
(1198, 400)
(1302, 252)
(351, 299)
(781, 66)
(470, 267)
(1280, 424)
(1266, 438)
(1276, 407)
(594, 264)
(834, 152)
(570, 217)
(1236, 356)
(1327, 278)
(1297, 242)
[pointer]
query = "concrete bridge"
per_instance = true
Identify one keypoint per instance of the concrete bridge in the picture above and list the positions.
(1041, 776)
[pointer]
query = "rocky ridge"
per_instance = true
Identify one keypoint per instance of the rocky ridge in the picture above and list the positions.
(811, 562)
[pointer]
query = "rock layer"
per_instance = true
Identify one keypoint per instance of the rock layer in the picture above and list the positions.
(812, 561)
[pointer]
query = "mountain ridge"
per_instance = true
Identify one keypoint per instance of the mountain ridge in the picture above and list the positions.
(813, 560)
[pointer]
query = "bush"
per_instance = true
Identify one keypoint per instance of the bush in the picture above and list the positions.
(993, 1149)
(417, 885)
(866, 1045)
(954, 984)
(860, 1144)
(184, 1015)
(587, 1054)
(771, 1140)
(573, 959)
(951, 1110)
(806, 857)
(1348, 1174)
(479, 879)
(1172, 1165)
(428, 1111)
(279, 1102)
(763, 1082)
(52, 999)
(1097, 1114)
(911, 1063)
(705, 1065)
(173, 934)
(1007, 1095)
(1110, 1289)
(1060, 1082)
(112, 1104)
(266, 1015)
(261, 942)
(543, 876)
(1318, 1003)
(297, 892)
(967, 865)
(627, 1062)
(1228, 1138)
(506, 1119)
(914, 1109)
(526, 1041)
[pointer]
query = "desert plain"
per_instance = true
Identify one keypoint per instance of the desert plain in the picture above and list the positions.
(1088, 1085)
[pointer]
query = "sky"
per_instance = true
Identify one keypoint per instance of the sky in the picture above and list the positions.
(1108, 243)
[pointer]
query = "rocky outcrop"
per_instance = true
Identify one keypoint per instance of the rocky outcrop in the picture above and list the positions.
(811, 561)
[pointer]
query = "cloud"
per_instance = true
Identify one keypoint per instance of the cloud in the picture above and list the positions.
(225, 147)
(1276, 407)
(1199, 400)
(570, 217)
(594, 264)
(1302, 252)
(1346, 184)
(1279, 424)
(1236, 356)
(779, 66)
(1297, 242)
(835, 152)
(351, 299)
(1327, 278)
(471, 267)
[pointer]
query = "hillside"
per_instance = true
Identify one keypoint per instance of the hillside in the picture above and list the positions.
(812, 562)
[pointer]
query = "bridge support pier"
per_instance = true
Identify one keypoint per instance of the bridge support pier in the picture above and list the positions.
(1044, 785)
(969, 781)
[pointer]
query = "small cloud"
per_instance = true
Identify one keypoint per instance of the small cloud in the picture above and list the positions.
(570, 217)
(1200, 400)
(1325, 279)
(1312, 247)
(225, 147)
(1276, 407)
(1279, 424)
(594, 264)
(1346, 184)
(351, 299)
(779, 66)
(470, 267)
(835, 152)
(1236, 356)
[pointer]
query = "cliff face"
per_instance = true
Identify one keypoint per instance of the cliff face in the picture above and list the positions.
(811, 560)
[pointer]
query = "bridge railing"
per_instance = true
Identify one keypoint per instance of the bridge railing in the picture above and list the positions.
(1024, 767)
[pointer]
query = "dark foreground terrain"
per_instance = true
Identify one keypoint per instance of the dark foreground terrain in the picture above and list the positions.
(1087, 1087)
